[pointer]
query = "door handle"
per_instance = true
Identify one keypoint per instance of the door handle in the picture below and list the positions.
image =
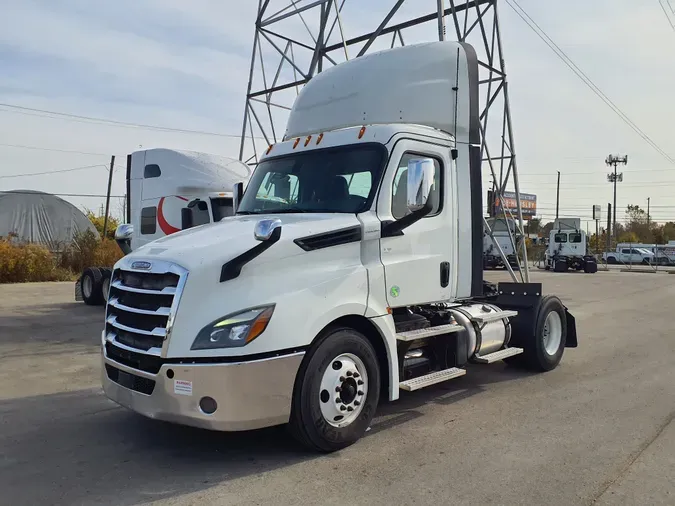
(445, 274)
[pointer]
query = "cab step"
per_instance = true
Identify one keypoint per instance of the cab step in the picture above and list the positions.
(498, 355)
(413, 335)
(493, 316)
(431, 379)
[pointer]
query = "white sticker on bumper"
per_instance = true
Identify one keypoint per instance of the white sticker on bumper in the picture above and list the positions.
(182, 387)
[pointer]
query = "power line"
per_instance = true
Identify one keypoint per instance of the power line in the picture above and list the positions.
(20, 192)
(587, 81)
(665, 12)
(57, 171)
(78, 117)
(39, 148)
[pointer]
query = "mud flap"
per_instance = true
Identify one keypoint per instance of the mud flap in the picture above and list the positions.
(571, 341)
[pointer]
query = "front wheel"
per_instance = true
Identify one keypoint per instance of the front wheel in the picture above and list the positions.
(336, 392)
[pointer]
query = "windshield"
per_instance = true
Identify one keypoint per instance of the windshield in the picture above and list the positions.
(560, 237)
(575, 237)
(331, 180)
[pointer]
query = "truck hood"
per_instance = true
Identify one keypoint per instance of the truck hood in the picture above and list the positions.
(222, 241)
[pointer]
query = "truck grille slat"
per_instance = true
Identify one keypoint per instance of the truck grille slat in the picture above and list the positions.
(140, 309)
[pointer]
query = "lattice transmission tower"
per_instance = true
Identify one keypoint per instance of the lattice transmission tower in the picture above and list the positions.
(296, 39)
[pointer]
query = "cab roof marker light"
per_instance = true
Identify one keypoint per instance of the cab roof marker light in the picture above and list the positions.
(309, 138)
(362, 131)
(318, 139)
(295, 144)
(269, 149)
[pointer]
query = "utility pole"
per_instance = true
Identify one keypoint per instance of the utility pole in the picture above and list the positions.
(557, 197)
(648, 199)
(107, 196)
(613, 161)
(609, 222)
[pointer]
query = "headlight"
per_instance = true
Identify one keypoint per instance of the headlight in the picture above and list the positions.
(234, 330)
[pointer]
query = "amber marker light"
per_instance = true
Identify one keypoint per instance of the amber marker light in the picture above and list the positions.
(362, 131)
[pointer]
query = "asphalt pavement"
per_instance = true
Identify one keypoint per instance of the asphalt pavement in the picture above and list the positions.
(597, 430)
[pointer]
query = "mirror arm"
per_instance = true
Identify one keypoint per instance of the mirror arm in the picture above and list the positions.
(394, 228)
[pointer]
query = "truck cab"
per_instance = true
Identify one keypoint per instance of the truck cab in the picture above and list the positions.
(568, 248)
(351, 270)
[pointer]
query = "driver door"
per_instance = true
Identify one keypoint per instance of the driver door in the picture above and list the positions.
(420, 263)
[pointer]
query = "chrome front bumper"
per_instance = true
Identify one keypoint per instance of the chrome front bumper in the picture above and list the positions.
(249, 395)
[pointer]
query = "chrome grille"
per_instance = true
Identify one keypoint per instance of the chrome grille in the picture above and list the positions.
(142, 305)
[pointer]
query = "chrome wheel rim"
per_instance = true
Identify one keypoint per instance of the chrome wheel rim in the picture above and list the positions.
(552, 333)
(343, 391)
(87, 286)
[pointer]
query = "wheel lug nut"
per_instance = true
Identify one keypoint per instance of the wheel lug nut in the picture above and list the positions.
(349, 373)
(356, 375)
(343, 408)
(350, 408)
(338, 389)
(357, 403)
(360, 382)
(360, 392)
(342, 378)
(338, 401)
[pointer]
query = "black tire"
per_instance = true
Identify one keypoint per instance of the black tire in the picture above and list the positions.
(535, 356)
(590, 267)
(92, 275)
(611, 260)
(560, 266)
(106, 274)
(307, 423)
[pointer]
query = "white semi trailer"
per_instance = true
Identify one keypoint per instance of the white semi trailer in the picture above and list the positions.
(361, 278)
(161, 183)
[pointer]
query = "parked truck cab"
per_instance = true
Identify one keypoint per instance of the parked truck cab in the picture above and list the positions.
(505, 234)
(351, 270)
(161, 184)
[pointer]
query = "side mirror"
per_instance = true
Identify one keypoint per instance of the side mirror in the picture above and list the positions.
(421, 174)
(123, 236)
(237, 194)
(268, 230)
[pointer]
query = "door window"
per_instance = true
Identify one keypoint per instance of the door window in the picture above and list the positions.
(399, 205)
(148, 220)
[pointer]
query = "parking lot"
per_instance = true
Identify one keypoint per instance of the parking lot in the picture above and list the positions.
(597, 430)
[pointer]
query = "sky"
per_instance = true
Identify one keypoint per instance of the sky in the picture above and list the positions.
(185, 65)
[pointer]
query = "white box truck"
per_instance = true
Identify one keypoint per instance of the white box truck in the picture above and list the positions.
(161, 183)
(361, 278)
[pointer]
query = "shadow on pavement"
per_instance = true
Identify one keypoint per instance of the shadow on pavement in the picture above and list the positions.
(78, 447)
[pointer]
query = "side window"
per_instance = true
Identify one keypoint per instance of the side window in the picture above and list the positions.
(151, 170)
(399, 207)
(561, 237)
(359, 183)
(148, 220)
(625, 251)
(635, 252)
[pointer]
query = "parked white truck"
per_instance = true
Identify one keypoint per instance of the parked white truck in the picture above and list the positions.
(362, 277)
(505, 234)
(161, 183)
(568, 248)
(629, 254)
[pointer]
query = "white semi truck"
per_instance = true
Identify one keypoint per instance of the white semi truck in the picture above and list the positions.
(161, 183)
(505, 234)
(568, 248)
(361, 278)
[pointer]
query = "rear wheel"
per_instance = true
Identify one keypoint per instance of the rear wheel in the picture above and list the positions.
(544, 349)
(336, 392)
(560, 266)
